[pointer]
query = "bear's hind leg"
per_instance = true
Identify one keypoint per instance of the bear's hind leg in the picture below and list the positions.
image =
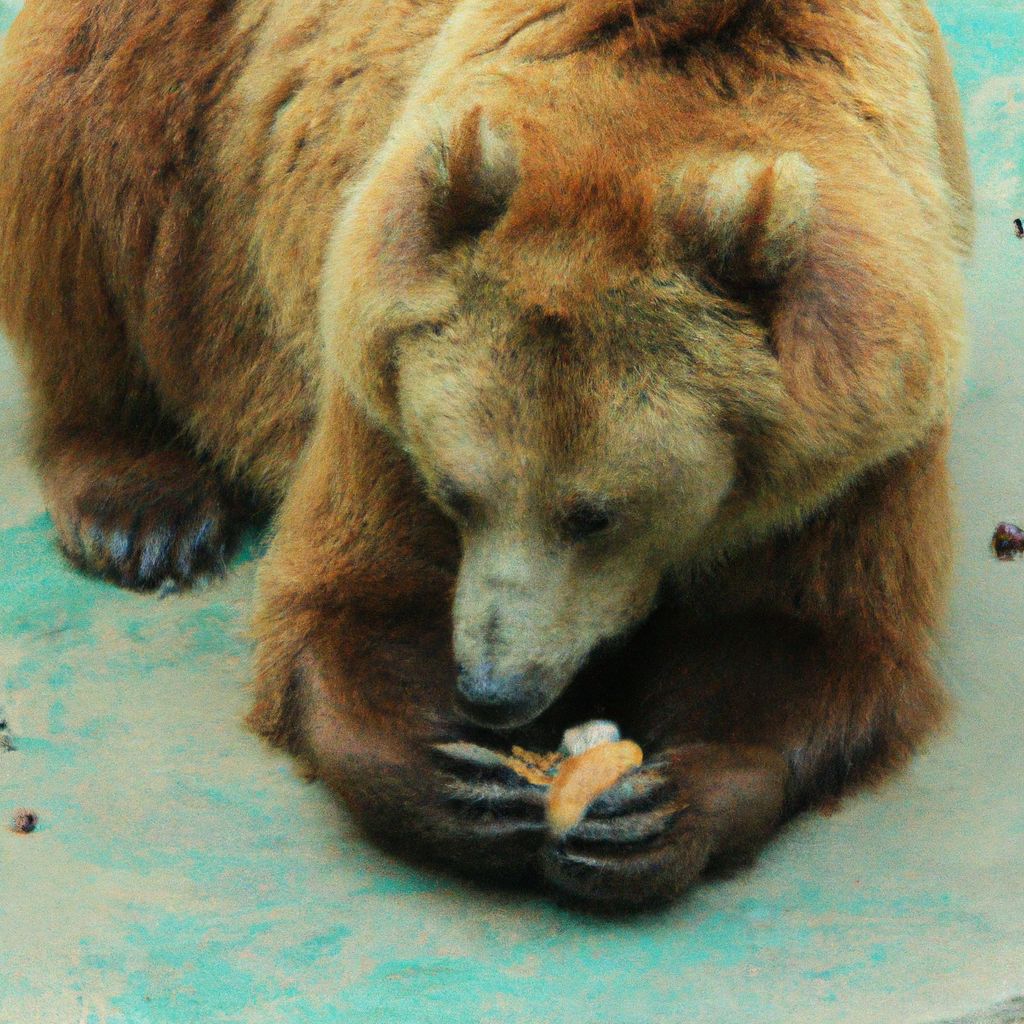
(129, 501)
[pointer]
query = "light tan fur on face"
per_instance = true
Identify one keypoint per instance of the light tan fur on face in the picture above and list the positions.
(633, 437)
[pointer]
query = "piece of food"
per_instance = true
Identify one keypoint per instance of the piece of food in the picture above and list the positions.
(582, 778)
(590, 760)
(589, 734)
(1007, 541)
(540, 769)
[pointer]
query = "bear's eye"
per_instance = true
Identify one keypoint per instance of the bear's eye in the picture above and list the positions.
(456, 499)
(583, 521)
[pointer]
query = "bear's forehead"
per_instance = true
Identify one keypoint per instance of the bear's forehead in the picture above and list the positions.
(615, 334)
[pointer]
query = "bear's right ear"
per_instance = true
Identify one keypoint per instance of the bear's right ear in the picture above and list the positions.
(746, 217)
(470, 176)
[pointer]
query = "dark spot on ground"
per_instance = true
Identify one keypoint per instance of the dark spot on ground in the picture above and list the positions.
(24, 821)
(6, 740)
(1007, 541)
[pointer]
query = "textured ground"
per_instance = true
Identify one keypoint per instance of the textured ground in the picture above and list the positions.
(181, 873)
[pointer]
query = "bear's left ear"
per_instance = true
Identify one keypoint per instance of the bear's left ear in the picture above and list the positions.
(380, 275)
(470, 176)
(746, 217)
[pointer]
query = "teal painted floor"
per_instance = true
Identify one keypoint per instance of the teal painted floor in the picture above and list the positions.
(182, 874)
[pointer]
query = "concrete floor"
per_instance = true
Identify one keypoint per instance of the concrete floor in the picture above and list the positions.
(182, 873)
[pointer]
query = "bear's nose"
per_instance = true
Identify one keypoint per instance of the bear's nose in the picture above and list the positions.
(499, 702)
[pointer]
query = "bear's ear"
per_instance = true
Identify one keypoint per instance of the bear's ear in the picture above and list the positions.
(747, 217)
(470, 175)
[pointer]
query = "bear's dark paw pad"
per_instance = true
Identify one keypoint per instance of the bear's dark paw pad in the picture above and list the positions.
(146, 527)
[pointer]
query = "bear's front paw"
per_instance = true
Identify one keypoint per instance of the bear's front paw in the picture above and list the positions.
(490, 814)
(638, 845)
(144, 523)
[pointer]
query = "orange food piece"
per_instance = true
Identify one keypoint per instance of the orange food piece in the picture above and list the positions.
(540, 769)
(582, 778)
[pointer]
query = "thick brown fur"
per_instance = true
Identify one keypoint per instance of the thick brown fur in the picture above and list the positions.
(374, 262)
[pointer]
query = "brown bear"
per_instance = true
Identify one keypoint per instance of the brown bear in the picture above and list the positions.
(597, 355)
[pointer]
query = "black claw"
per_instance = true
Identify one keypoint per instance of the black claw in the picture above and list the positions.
(470, 761)
(588, 866)
(504, 798)
(201, 548)
(486, 797)
(97, 540)
(507, 828)
(204, 533)
(501, 829)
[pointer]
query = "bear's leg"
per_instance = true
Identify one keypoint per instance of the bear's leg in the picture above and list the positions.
(817, 681)
(355, 670)
(413, 777)
(128, 500)
(763, 717)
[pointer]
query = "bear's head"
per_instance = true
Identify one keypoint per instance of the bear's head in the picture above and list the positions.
(581, 360)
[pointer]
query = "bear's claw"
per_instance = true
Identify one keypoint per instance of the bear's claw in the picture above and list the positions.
(640, 789)
(485, 807)
(633, 829)
(480, 786)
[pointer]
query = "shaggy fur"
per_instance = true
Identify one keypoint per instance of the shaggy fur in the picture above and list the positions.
(598, 356)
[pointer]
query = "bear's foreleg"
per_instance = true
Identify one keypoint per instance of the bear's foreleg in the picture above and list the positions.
(355, 667)
(412, 779)
(806, 674)
(760, 718)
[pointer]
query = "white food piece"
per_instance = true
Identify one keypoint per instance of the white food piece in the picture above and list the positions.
(585, 737)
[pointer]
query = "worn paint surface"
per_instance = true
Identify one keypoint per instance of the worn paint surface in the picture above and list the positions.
(181, 872)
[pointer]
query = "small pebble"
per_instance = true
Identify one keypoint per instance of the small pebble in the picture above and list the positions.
(6, 744)
(1007, 541)
(24, 822)
(1018, 228)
